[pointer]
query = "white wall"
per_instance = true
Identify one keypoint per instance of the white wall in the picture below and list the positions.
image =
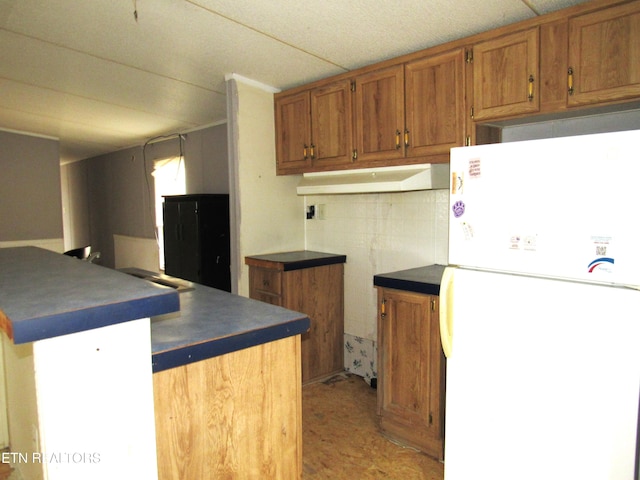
(136, 252)
(266, 214)
(379, 233)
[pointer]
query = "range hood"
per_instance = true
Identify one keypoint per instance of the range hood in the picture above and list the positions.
(403, 178)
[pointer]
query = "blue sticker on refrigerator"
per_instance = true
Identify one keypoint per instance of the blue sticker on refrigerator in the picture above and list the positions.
(603, 261)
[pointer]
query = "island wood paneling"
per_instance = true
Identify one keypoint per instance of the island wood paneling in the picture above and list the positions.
(237, 415)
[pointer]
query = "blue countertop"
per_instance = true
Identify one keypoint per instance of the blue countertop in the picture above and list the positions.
(213, 322)
(419, 280)
(44, 294)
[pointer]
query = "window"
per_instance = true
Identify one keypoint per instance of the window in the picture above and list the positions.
(169, 179)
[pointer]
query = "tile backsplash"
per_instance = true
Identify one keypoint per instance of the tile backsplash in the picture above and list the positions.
(379, 233)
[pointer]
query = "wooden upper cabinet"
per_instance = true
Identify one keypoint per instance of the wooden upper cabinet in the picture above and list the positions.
(293, 132)
(379, 115)
(313, 128)
(331, 124)
(554, 59)
(434, 104)
(416, 108)
(604, 55)
(505, 76)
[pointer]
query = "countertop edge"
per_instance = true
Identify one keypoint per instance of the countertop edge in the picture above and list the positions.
(50, 326)
(294, 260)
(44, 294)
(424, 280)
(407, 285)
(220, 346)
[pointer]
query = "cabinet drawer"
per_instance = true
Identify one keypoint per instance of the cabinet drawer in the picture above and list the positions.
(265, 280)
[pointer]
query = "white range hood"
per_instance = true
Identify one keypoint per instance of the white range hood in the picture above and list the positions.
(375, 180)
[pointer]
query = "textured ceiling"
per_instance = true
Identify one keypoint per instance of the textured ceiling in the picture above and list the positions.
(91, 74)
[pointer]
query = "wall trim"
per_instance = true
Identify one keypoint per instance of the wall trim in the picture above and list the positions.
(251, 82)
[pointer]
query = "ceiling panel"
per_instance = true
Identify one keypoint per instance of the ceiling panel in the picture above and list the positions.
(97, 78)
(374, 30)
(60, 70)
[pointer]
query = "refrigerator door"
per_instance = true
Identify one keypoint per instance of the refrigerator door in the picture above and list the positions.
(543, 379)
(562, 207)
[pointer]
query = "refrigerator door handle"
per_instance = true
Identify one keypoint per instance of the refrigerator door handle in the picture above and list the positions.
(446, 310)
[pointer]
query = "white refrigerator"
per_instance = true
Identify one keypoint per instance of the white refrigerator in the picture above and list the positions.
(540, 310)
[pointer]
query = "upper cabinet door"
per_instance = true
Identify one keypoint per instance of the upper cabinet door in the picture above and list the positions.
(604, 55)
(505, 76)
(435, 112)
(379, 114)
(331, 124)
(293, 132)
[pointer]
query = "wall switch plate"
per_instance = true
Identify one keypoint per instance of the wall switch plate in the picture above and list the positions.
(321, 211)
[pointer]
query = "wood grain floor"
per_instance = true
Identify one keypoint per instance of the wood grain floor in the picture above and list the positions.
(341, 439)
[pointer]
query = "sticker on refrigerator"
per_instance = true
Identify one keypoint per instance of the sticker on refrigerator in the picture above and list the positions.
(458, 208)
(523, 242)
(530, 243)
(603, 260)
(474, 168)
(457, 182)
(467, 231)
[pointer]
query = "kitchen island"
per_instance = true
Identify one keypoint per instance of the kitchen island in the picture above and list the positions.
(79, 358)
(227, 387)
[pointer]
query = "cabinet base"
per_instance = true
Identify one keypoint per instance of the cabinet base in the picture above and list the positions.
(414, 436)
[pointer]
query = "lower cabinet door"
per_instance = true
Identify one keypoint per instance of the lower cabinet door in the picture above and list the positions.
(410, 370)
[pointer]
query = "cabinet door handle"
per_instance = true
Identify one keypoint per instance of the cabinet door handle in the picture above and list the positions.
(383, 308)
(304, 151)
(530, 94)
(313, 151)
(570, 81)
(397, 139)
(406, 137)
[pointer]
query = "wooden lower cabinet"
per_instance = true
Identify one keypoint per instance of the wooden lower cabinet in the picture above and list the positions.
(317, 292)
(411, 370)
(237, 415)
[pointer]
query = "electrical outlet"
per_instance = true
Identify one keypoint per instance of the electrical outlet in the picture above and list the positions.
(321, 211)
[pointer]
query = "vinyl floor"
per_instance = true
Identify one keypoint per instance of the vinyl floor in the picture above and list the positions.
(341, 439)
